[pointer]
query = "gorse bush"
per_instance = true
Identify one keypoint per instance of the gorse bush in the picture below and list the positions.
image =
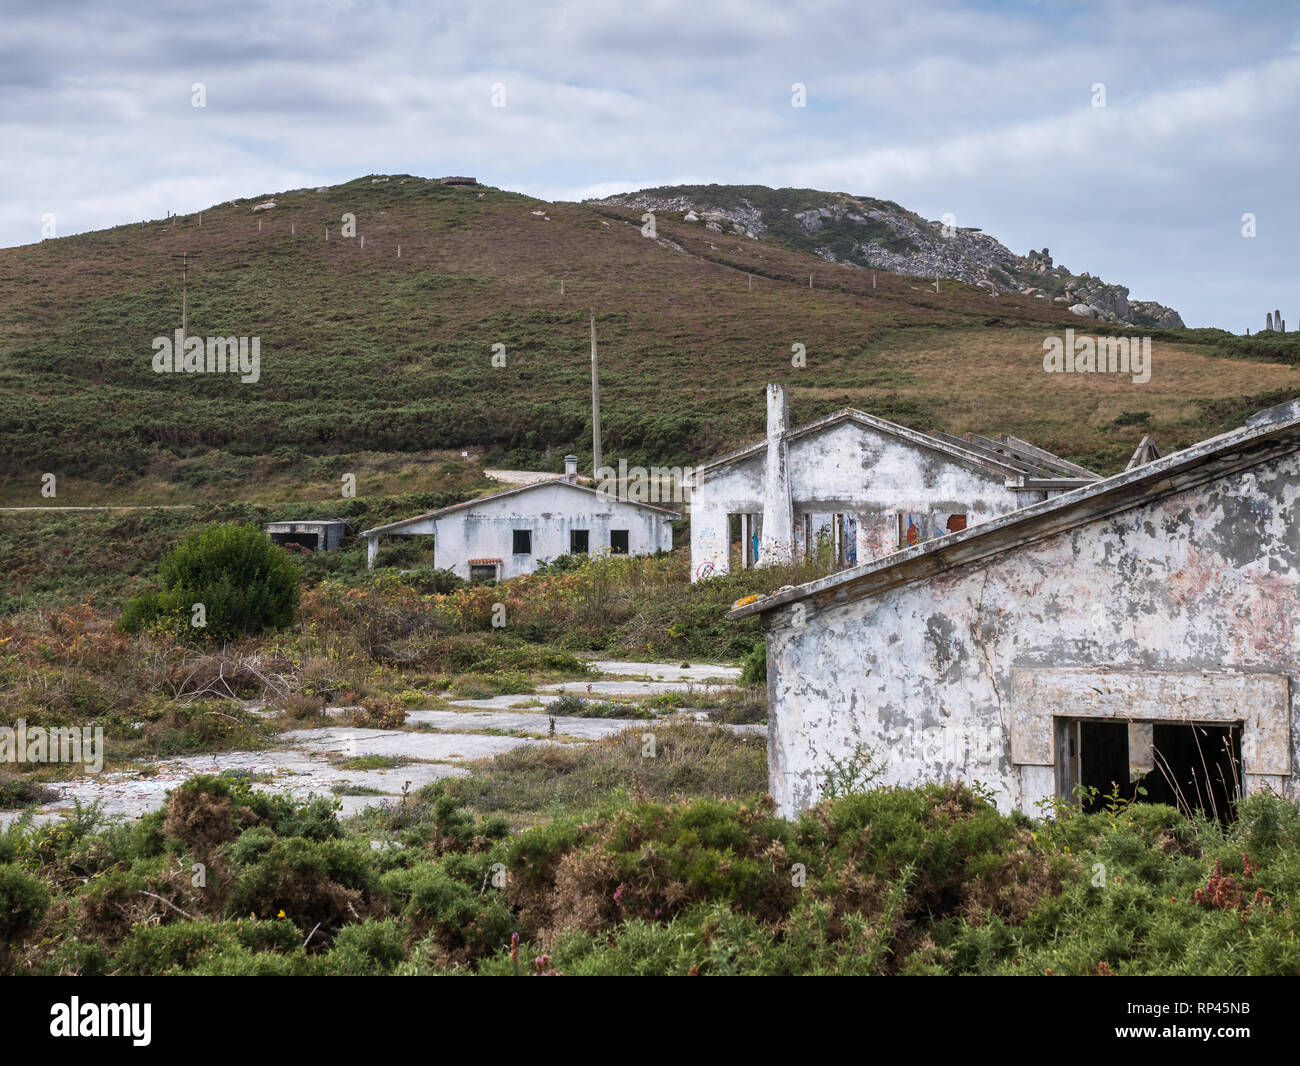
(23, 900)
(930, 880)
(224, 581)
(754, 665)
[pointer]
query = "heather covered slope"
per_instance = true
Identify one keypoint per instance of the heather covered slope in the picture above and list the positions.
(371, 361)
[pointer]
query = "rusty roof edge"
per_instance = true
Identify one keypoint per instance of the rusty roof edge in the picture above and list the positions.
(1158, 478)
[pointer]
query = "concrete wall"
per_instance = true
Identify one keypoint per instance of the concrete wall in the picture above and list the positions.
(550, 511)
(959, 675)
(847, 468)
(328, 535)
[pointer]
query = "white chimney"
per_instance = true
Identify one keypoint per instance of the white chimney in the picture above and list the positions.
(778, 511)
(570, 468)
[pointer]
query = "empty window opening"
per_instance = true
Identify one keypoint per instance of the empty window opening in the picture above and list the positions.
(735, 541)
(744, 537)
(1096, 754)
(618, 541)
(1194, 767)
(915, 527)
(408, 552)
(823, 538)
(946, 522)
(912, 529)
(480, 573)
(578, 541)
(1197, 767)
(302, 540)
(523, 542)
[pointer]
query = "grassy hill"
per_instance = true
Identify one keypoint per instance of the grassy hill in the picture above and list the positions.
(380, 365)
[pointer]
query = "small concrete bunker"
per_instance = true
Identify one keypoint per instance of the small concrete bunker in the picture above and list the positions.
(323, 535)
(1146, 626)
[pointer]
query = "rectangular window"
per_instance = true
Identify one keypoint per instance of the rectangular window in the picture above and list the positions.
(523, 542)
(946, 522)
(618, 541)
(1193, 766)
(578, 540)
(912, 529)
(481, 572)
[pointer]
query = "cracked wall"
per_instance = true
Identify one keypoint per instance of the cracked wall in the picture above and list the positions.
(551, 512)
(1202, 580)
(846, 469)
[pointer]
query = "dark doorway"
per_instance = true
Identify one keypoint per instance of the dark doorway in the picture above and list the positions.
(618, 541)
(1193, 767)
(578, 541)
(1197, 767)
(304, 540)
(1103, 761)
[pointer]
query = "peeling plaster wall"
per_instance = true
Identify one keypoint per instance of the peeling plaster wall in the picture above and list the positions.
(1204, 580)
(486, 531)
(851, 469)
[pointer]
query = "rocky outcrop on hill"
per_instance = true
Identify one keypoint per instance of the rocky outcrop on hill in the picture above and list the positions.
(881, 235)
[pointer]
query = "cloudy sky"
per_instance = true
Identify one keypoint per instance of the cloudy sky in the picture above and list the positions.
(985, 110)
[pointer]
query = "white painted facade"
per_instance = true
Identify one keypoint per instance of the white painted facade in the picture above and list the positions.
(1167, 594)
(487, 532)
(860, 479)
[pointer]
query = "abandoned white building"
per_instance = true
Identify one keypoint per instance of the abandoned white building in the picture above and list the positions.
(1147, 624)
(857, 487)
(508, 533)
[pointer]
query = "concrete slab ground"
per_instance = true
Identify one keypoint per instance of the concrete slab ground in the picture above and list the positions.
(290, 772)
(305, 762)
(506, 703)
(351, 743)
(536, 722)
(642, 689)
(668, 671)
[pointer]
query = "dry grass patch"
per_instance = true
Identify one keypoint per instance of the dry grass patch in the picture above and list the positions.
(691, 760)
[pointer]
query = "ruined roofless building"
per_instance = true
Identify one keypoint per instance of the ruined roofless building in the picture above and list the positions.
(857, 487)
(1144, 626)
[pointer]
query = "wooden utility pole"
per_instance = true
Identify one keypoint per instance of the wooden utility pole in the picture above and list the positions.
(595, 402)
(185, 257)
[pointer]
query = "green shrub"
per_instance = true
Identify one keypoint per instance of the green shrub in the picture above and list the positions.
(245, 583)
(19, 792)
(307, 881)
(571, 706)
(433, 581)
(369, 948)
(239, 962)
(252, 845)
(24, 900)
(754, 665)
(179, 946)
(464, 918)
